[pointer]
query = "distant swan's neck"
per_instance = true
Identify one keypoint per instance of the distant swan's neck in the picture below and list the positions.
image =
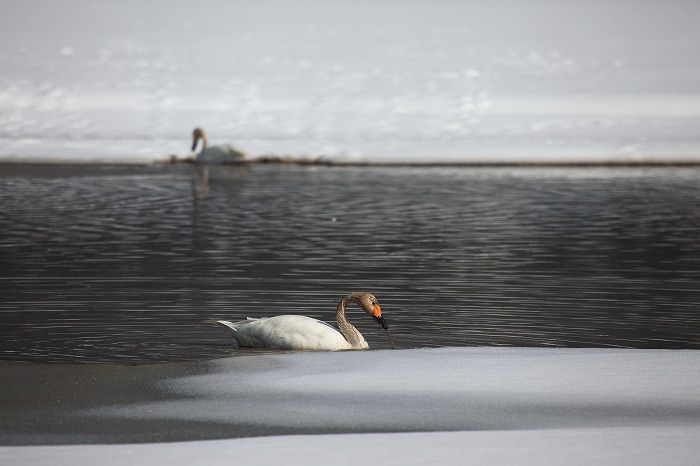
(351, 334)
(200, 135)
(205, 140)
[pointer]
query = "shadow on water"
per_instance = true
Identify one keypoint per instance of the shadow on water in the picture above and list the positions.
(110, 264)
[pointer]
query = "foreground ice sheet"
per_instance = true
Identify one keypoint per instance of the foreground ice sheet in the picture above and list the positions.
(607, 446)
(439, 389)
(585, 406)
(385, 81)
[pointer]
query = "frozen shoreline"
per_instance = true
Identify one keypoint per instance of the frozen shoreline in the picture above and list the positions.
(500, 159)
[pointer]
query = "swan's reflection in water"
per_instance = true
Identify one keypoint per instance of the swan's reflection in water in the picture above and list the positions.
(229, 178)
(200, 182)
(123, 264)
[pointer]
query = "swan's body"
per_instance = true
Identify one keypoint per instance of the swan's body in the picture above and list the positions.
(305, 333)
(289, 332)
(222, 153)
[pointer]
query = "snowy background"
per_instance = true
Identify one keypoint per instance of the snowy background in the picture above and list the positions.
(379, 81)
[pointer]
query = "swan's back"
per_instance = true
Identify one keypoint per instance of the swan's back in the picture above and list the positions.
(224, 153)
(288, 332)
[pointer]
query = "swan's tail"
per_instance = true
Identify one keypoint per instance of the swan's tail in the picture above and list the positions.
(232, 327)
(225, 323)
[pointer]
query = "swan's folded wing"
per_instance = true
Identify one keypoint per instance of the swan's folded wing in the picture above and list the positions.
(295, 332)
(286, 332)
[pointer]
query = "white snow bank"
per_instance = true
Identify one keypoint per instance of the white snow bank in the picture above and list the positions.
(666, 446)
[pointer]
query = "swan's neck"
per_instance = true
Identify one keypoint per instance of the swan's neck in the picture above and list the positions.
(351, 334)
(200, 135)
(205, 140)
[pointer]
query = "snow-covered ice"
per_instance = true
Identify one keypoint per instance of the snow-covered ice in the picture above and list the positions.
(438, 389)
(462, 405)
(383, 81)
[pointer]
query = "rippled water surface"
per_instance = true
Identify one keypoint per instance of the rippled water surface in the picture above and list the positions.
(123, 264)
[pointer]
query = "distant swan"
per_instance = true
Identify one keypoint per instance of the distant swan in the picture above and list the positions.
(304, 333)
(223, 153)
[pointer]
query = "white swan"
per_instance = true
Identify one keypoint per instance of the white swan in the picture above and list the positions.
(223, 153)
(304, 333)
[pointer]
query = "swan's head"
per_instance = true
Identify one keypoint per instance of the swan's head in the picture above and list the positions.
(369, 304)
(198, 134)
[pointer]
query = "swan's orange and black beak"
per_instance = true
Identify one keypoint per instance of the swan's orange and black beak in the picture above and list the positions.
(377, 315)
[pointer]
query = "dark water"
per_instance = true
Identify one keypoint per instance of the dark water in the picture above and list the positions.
(105, 264)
